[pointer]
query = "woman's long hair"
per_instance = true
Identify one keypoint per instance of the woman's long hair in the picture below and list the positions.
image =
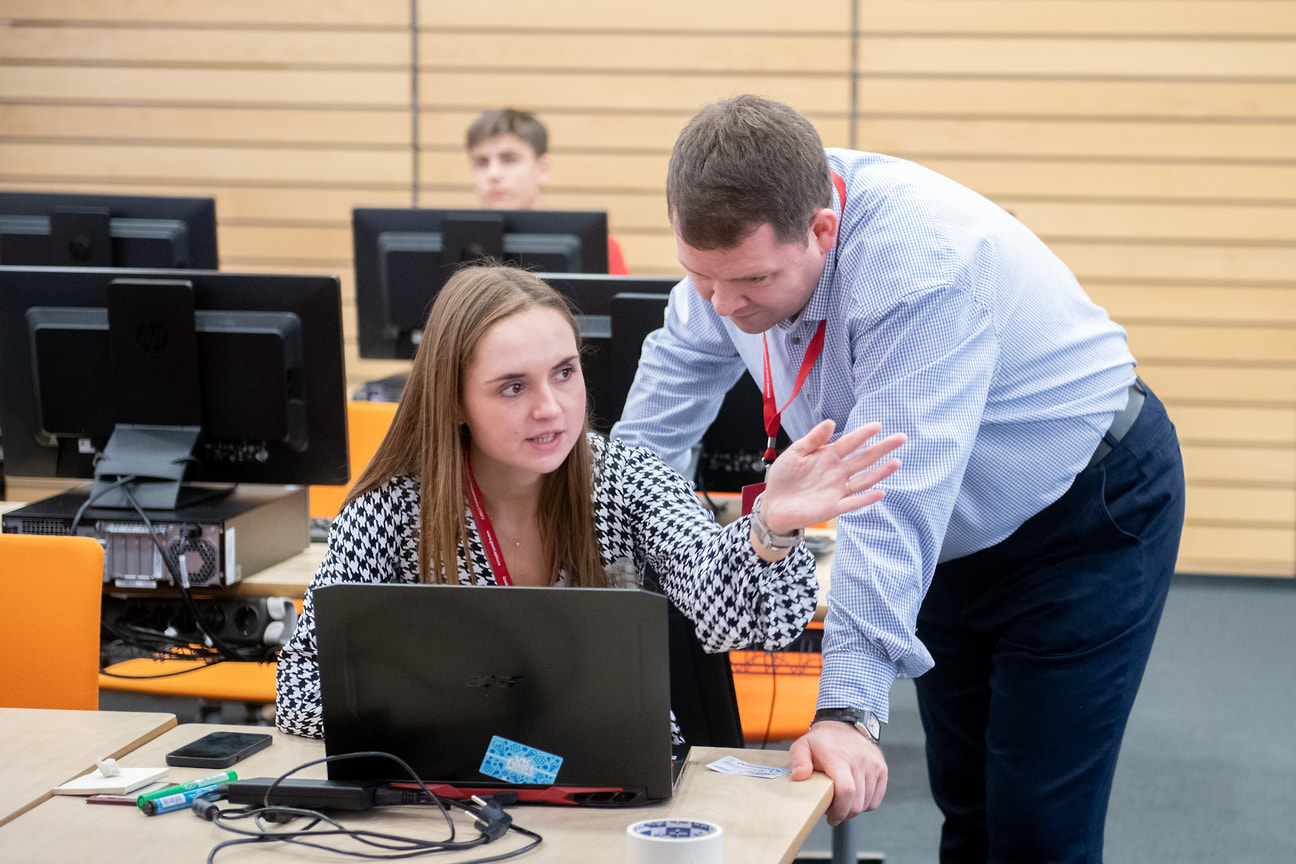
(427, 440)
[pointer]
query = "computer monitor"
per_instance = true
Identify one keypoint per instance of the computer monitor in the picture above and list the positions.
(47, 229)
(171, 376)
(732, 448)
(615, 314)
(403, 256)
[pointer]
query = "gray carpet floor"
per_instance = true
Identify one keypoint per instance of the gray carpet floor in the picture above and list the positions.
(1207, 772)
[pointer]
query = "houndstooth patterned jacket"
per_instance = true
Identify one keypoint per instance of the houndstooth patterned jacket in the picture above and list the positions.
(645, 514)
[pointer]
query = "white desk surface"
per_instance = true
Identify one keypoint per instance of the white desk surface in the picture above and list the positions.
(765, 821)
(41, 749)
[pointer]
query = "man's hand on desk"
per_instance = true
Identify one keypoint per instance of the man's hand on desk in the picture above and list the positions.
(856, 765)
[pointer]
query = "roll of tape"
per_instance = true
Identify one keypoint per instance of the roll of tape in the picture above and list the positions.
(674, 841)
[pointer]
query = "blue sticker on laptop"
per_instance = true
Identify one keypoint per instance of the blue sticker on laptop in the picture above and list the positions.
(517, 763)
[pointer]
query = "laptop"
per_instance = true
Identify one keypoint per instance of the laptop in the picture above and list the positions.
(559, 694)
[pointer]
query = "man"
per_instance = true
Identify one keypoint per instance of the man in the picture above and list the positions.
(1020, 560)
(509, 154)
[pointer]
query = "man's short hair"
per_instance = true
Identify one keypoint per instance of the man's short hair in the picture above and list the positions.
(742, 162)
(509, 121)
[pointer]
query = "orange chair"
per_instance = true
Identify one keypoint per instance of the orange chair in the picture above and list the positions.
(367, 424)
(51, 589)
(776, 691)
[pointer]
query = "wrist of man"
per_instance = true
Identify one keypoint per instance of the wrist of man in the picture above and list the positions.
(864, 721)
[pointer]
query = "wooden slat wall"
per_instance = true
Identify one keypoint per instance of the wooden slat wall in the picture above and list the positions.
(614, 84)
(1152, 143)
(288, 113)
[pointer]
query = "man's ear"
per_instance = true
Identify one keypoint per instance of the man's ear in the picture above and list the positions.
(823, 229)
(542, 170)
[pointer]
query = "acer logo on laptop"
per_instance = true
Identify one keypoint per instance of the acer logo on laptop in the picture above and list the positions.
(483, 681)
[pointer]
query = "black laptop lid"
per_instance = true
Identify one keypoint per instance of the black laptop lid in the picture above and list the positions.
(432, 673)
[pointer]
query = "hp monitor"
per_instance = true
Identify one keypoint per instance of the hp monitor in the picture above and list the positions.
(150, 379)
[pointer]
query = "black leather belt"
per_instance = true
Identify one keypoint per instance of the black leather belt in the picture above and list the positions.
(1121, 423)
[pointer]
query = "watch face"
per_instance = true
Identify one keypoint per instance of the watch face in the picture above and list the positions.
(872, 726)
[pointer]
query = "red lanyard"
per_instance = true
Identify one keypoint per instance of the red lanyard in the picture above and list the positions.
(484, 527)
(773, 413)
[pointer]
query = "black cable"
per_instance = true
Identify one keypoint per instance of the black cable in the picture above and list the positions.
(95, 496)
(769, 721)
(155, 641)
(491, 822)
(175, 647)
(132, 641)
(159, 675)
(144, 642)
(225, 650)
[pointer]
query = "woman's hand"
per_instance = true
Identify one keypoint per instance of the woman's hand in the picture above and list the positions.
(814, 481)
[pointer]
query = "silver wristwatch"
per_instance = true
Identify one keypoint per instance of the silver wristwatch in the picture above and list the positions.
(861, 718)
(770, 540)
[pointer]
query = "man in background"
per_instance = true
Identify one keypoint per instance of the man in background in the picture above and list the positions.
(509, 154)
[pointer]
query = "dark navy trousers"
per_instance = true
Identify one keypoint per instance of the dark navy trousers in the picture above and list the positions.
(1040, 644)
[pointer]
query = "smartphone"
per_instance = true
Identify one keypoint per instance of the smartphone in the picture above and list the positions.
(218, 749)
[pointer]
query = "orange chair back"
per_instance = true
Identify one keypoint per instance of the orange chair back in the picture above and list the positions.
(367, 424)
(776, 691)
(51, 589)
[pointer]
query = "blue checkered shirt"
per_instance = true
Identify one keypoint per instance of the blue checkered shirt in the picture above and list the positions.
(947, 320)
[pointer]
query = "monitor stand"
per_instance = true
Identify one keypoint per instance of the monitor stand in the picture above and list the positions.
(143, 466)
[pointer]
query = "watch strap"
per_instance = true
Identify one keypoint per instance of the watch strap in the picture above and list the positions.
(768, 538)
(861, 718)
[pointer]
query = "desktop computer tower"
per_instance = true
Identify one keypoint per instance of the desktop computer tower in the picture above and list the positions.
(213, 539)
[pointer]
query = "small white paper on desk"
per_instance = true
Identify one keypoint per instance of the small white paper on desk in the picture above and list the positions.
(96, 783)
(734, 765)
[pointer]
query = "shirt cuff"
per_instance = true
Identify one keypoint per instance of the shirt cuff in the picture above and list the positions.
(855, 680)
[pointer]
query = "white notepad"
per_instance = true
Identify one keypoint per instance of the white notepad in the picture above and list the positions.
(96, 783)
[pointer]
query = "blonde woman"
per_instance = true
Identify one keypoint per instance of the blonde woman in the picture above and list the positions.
(490, 475)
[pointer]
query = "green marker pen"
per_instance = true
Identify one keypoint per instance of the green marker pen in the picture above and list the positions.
(180, 800)
(222, 777)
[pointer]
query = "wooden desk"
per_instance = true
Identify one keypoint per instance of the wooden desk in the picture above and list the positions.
(288, 578)
(41, 749)
(765, 821)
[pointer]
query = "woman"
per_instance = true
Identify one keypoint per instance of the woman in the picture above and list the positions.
(489, 475)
